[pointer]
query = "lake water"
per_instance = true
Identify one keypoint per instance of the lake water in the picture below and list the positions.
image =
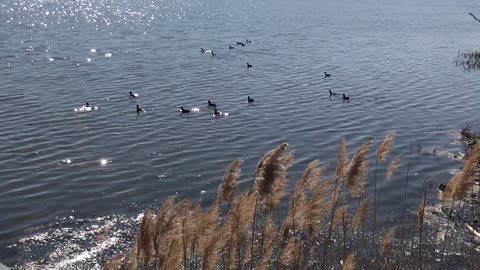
(64, 174)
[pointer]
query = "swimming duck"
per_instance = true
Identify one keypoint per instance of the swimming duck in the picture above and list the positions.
(139, 110)
(326, 74)
(213, 54)
(241, 43)
(345, 97)
(249, 99)
(202, 50)
(216, 113)
(184, 110)
(230, 47)
(248, 65)
(248, 41)
(210, 104)
(133, 95)
(332, 93)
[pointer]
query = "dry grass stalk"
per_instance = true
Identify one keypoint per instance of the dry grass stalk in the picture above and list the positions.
(233, 221)
(239, 219)
(461, 182)
(318, 207)
(386, 244)
(268, 244)
(146, 237)
(354, 176)
(359, 218)
(466, 179)
(174, 257)
(384, 148)
(169, 229)
(213, 248)
(297, 208)
(349, 263)
(227, 188)
(189, 228)
(391, 168)
(339, 215)
(421, 213)
(420, 216)
(447, 195)
(311, 176)
(280, 184)
(163, 223)
(271, 176)
(207, 226)
(296, 212)
(288, 253)
(342, 160)
(268, 168)
(114, 263)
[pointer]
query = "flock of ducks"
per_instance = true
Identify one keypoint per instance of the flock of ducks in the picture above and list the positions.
(230, 47)
(333, 94)
(87, 107)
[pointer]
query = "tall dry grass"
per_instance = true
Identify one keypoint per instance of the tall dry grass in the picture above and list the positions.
(328, 224)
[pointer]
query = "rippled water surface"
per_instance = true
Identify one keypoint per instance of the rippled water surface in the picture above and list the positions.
(66, 174)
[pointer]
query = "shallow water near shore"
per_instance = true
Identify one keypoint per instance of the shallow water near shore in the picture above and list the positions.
(66, 174)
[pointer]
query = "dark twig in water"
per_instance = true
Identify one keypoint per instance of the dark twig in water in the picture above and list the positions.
(474, 17)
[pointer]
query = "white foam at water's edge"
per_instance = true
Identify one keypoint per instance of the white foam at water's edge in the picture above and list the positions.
(75, 243)
(82, 256)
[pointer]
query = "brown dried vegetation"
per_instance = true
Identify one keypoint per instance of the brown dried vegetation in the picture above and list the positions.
(326, 226)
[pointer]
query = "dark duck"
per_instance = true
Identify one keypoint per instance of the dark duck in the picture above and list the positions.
(210, 104)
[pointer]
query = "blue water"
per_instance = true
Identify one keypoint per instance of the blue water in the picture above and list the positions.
(394, 59)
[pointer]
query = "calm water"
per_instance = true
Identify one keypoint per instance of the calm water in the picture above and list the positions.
(395, 59)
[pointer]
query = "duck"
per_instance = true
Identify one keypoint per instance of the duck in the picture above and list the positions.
(133, 95)
(184, 110)
(216, 113)
(241, 43)
(248, 65)
(248, 41)
(139, 110)
(250, 100)
(332, 93)
(210, 104)
(345, 97)
(213, 54)
(202, 50)
(326, 74)
(231, 47)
